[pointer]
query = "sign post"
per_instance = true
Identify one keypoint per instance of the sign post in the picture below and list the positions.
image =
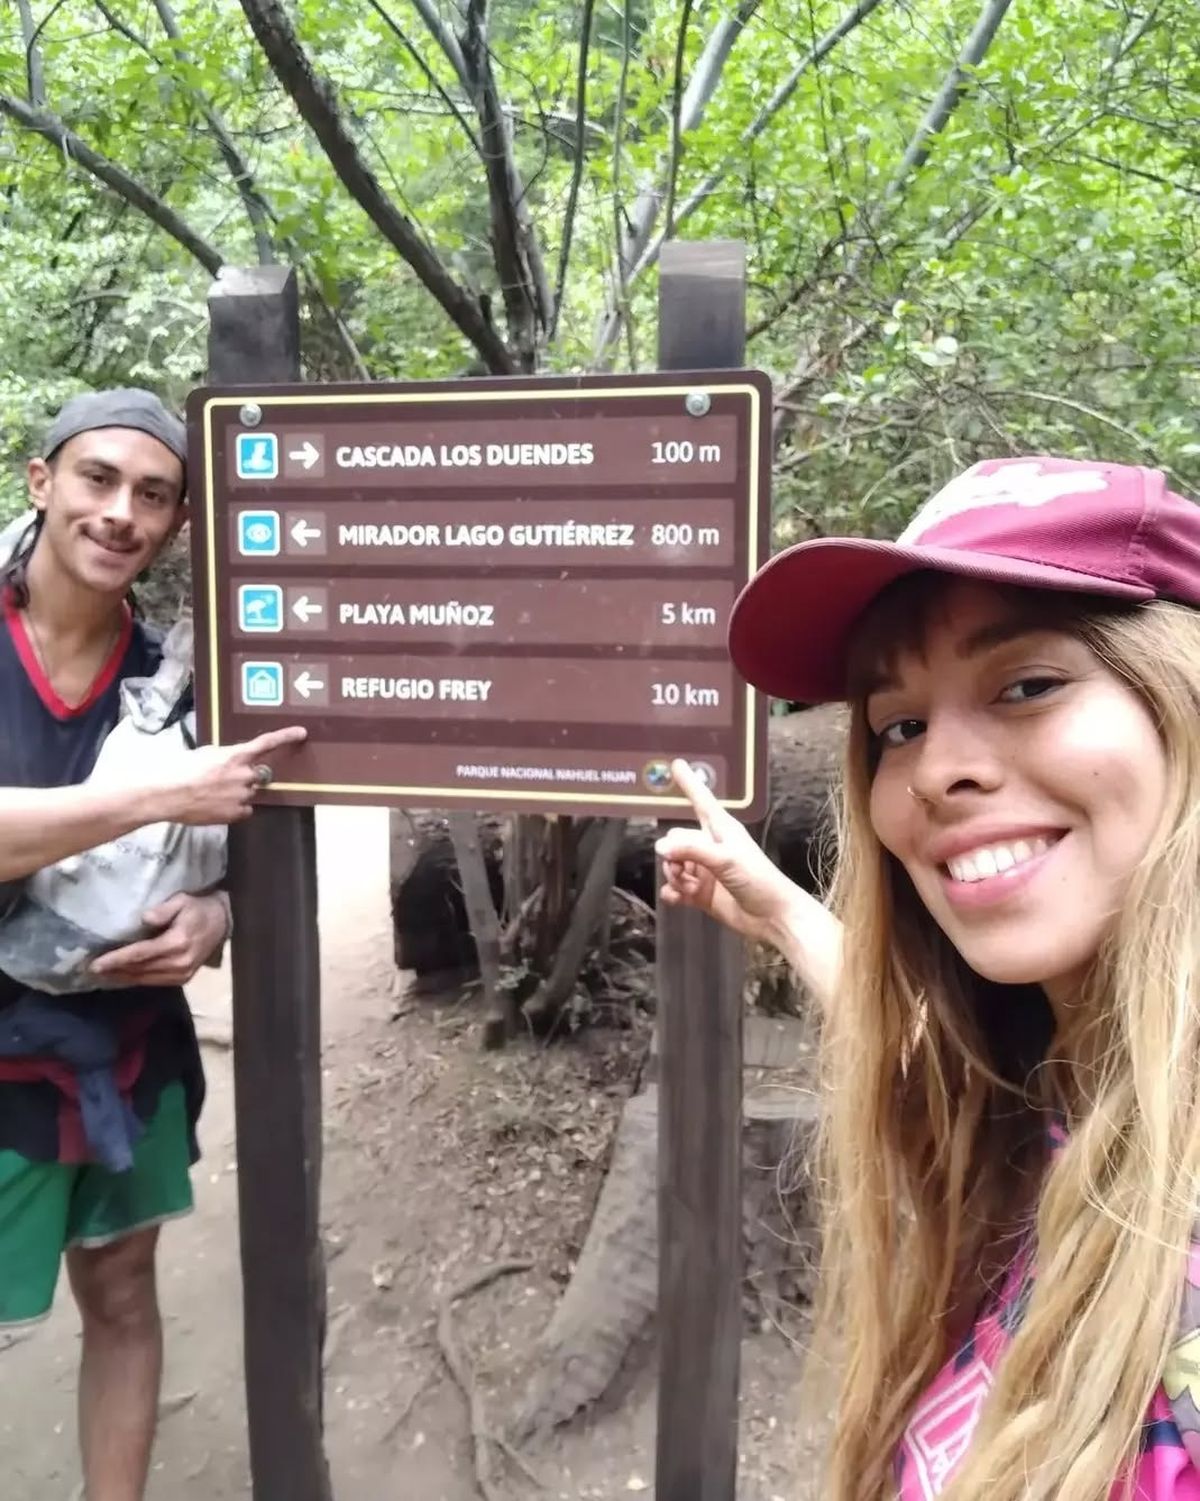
(702, 320)
(255, 336)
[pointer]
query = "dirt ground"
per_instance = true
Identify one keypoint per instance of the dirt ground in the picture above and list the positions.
(439, 1159)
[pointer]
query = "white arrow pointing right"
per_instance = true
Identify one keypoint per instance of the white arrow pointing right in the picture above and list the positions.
(308, 455)
(306, 685)
(303, 534)
(304, 609)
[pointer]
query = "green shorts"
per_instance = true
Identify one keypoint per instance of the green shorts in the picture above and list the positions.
(47, 1207)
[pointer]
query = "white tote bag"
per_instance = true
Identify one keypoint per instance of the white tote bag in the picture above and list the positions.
(71, 912)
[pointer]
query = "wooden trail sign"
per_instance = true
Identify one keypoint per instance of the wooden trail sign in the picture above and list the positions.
(487, 593)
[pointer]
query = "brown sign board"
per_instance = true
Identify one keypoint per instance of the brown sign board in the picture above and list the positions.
(488, 593)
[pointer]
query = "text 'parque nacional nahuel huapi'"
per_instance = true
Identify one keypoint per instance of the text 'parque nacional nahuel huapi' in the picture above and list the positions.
(488, 593)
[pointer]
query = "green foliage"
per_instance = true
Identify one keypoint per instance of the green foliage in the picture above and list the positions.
(1033, 286)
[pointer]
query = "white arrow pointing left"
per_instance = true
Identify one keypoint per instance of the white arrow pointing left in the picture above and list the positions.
(303, 534)
(306, 685)
(308, 455)
(304, 608)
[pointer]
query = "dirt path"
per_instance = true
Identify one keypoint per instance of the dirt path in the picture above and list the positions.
(439, 1159)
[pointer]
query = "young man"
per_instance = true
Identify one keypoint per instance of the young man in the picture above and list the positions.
(109, 494)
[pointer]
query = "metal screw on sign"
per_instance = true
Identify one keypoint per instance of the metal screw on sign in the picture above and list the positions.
(698, 403)
(251, 414)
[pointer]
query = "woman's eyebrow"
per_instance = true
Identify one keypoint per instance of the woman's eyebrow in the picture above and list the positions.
(998, 633)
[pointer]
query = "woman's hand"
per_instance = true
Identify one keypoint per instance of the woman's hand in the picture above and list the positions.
(719, 869)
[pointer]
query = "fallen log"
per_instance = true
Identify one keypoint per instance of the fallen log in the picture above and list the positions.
(610, 1302)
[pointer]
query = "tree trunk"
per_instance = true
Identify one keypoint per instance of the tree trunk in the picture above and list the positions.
(500, 1010)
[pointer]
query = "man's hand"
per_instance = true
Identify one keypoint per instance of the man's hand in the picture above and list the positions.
(217, 784)
(191, 928)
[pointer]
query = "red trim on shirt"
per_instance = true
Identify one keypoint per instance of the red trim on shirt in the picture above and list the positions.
(42, 685)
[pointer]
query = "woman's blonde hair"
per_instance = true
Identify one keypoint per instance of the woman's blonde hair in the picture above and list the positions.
(933, 1160)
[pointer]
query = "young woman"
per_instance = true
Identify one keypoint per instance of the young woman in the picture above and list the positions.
(1011, 983)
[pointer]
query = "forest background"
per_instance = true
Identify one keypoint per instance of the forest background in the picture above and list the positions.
(972, 227)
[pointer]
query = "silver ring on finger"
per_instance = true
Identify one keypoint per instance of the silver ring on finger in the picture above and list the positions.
(263, 776)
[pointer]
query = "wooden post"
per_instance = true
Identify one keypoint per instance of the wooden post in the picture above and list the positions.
(254, 338)
(702, 324)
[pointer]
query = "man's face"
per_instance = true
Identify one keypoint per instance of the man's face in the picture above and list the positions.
(111, 499)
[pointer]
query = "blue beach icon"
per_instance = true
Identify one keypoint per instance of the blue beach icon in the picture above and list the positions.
(257, 456)
(262, 684)
(260, 607)
(258, 534)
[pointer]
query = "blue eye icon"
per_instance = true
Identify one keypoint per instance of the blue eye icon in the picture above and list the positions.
(258, 534)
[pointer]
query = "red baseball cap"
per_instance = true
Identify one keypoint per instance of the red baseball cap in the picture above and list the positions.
(1109, 529)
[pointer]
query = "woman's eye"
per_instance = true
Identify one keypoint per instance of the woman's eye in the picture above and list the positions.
(1024, 689)
(900, 732)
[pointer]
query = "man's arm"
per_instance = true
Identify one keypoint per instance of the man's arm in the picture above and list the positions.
(212, 785)
(42, 825)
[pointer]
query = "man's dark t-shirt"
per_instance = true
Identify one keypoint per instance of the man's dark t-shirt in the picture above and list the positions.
(47, 743)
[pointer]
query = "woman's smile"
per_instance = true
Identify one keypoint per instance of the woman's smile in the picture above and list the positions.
(1018, 782)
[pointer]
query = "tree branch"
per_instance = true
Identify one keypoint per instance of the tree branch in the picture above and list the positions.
(410, 47)
(949, 96)
(641, 252)
(800, 291)
(506, 188)
(120, 27)
(677, 115)
(703, 85)
(853, 18)
(35, 75)
(46, 124)
(315, 99)
(951, 93)
(257, 211)
(585, 917)
(585, 42)
(445, 39)
(31, 38)
(528, 301)
(1070, 404)
(1124, 167)
(620, 224)
(1126, 45)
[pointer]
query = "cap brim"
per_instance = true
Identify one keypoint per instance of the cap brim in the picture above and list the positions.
(792, 623)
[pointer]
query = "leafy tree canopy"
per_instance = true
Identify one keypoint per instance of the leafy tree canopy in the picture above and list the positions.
(972, 224)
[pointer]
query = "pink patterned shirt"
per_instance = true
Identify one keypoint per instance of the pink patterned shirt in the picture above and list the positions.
(1168, 1466)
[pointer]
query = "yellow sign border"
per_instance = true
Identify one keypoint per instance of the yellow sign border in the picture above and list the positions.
(476, 397)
